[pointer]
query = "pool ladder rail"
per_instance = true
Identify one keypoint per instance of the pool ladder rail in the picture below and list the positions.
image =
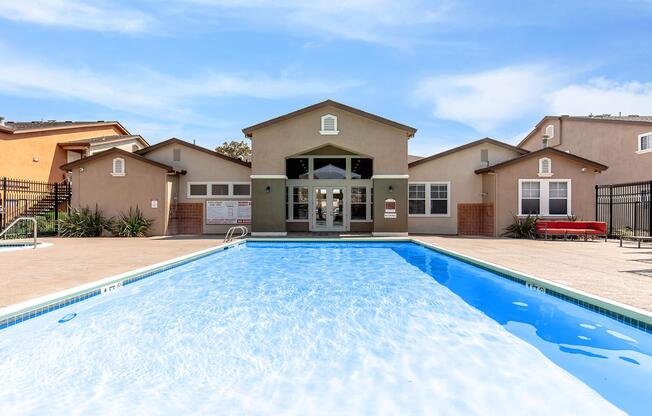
(19, 219)
(229, 234)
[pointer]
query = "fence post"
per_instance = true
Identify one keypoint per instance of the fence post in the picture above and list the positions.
(649, 209)
(596, 203)
(56, 208)
(4, 202)
(611, 209)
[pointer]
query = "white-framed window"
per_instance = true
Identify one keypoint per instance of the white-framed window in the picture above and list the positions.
(645, 143)
(429, 199)
(298, 198)
(118, 167)
(544, 197)
(545, 167)
(550, 131)
(219, 190)
(329, 124)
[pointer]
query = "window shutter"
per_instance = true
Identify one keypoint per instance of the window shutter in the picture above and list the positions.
(329, 124)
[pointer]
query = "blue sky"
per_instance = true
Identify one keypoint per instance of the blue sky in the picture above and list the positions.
(202, 70)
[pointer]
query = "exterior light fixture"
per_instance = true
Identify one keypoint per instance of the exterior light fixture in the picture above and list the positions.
(35, 159)
(268, 189)
(391, 189)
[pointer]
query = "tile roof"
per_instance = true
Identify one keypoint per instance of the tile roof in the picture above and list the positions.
(29, 125)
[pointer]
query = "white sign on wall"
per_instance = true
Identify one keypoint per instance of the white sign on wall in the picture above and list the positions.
(228, 212)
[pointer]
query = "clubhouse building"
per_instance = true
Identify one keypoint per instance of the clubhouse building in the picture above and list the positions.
(333, 168)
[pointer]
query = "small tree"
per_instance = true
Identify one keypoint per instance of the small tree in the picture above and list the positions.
(239, 150)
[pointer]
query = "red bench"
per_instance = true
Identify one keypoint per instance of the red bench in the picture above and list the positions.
(572, 228)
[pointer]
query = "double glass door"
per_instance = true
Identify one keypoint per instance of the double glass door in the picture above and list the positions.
(329, 209)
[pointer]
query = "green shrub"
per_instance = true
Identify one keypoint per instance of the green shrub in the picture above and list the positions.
(84, 223)
(133, 224)
(522, 227)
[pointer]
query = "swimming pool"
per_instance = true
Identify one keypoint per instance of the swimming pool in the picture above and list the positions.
(324, 328)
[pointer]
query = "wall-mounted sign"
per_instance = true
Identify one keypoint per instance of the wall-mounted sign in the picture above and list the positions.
(390, 208)
(228, 212)
(154, 203)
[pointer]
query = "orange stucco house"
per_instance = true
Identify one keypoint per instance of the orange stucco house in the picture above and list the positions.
(34, 150)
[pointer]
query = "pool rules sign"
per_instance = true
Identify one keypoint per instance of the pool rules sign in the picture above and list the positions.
(228, 212)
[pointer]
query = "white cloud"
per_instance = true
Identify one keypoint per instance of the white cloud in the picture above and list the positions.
(491, 99)
(79, 14)
(379, 21)
(485, 100)
(151, 93)
(602, 96)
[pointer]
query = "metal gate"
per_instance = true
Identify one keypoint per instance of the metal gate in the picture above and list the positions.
(625, 208)
(41, 200)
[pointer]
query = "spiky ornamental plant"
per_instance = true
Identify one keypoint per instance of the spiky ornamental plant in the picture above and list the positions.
(84, 223)
(133, 224)
(522, 227)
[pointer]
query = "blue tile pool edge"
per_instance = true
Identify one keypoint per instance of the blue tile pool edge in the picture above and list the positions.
(15, 314)
(625, 314)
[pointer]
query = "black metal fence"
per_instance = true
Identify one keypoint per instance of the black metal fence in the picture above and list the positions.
(41, 200)
(625, 208)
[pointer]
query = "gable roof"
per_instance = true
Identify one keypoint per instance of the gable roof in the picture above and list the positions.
(595, 165)
(21, 127)
(115, 151)
(466, 146)
(108, 139)
(174, 140)
(630, 119)
(409, 130)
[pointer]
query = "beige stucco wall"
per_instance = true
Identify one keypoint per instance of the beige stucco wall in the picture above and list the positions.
(611, 143)
(126, 145)
(387, 145)
(17, 151)
(504, 184)
(201, 167)
(142, 183)
(465, 186)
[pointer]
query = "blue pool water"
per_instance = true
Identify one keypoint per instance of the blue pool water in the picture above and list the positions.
(324, 328)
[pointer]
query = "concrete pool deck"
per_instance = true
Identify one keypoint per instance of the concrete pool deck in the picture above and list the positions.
(603, 269)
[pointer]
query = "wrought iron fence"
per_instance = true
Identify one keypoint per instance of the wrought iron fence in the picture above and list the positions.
(44, 201)
(625, 208)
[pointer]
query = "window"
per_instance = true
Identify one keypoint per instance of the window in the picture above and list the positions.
(176, 155)
(545, 167)
(417, 199)
(198, 190)
(645, 143)
(329, 168)
(297, 168)
(358, 203)
(329, 124)
(439, 199)
(545, 197)
(362, 168)
(550, 131)
(530, 198)
(558, 198)
(241, 189)
(118, 167)
(300, 203)
(430, 199)
(218, 190)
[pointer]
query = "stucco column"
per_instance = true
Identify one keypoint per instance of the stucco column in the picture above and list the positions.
(268, 205)
(387, 188)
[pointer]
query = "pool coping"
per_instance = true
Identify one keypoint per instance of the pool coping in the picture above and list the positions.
(629, 315)
(23, 246)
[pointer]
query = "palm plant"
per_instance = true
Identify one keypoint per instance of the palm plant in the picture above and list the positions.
(84, 223)
(522, 227)
(133, 224)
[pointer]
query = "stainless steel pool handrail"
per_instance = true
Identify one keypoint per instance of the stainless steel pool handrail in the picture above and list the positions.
(229, 234)
(16, 221)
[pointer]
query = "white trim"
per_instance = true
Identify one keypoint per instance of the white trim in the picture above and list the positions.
(428, 199)
(640, 137)
(209, 189)
(543, 174)
(390, 176)
(325, 132)
(269, 233)
(114, 172)
(389, 234)
(550, 131)
(544, 197)
(268, 176)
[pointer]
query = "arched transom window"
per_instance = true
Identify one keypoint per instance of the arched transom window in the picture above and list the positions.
(329, 124)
